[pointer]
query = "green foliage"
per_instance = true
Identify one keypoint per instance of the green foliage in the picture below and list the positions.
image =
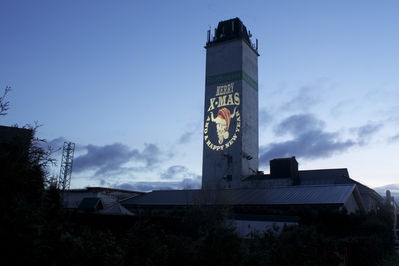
(220, 246)
(296, 245)
(21, 189)
(392, 260)
(372, 236)
(145, 245)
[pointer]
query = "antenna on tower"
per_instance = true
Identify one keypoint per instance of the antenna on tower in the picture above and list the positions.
(64, 180)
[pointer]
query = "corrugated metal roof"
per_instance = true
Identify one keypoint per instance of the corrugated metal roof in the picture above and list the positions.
(294, 195)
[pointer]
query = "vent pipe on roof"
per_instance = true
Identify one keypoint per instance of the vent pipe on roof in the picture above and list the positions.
(284, 168)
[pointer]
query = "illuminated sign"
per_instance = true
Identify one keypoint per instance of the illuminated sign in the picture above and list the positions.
(223, 121)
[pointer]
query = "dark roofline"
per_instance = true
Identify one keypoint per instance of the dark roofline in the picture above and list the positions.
(328, 169)
(366, 189)
(260, 176)
(271, 206)
(102, 189)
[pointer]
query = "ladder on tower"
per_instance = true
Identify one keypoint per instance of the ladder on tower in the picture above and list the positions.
(64, 180)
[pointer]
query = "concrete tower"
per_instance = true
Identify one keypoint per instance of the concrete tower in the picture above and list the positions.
(230, 151)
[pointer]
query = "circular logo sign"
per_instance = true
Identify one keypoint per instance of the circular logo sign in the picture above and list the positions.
(223, 120)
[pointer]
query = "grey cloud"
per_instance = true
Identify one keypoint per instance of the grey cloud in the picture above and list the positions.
(57, 143)
(342, 107)
(298, 124)
(365, 132)
(187, 180)
(150, 154)
(145, 186)
(185, 137)
(110, 158)
(265, 118)
(191, 131)
(54, 145)
(308, 95)
(309, 140)
(176, 172)
(303, 99)
(393, 188)
(191, 183)
(187, 183)
(394, 138)
(313, 144)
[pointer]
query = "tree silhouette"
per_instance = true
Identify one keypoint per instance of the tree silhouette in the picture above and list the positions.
(4, 105)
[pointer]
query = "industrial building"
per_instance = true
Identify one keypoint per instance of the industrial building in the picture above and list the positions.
(327, 188)
(97, 200)
(230, 175)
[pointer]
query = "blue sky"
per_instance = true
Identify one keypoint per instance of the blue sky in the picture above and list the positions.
(124, 80)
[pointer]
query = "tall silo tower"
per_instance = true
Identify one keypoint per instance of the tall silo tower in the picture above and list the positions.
(230, 149)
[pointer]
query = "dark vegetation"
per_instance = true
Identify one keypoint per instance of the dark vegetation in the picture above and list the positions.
(35, 230)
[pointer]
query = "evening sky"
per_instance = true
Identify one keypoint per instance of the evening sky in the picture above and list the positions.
(124, 80)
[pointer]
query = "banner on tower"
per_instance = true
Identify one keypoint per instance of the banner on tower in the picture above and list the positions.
(223, 118)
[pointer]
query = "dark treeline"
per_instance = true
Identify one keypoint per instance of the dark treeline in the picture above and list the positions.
(35, 230)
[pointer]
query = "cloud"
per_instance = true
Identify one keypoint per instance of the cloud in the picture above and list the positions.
(307, 96)
(177, 172)
(185, 137)
(304, 99)
(193, 130)
(186, 183)
(394, 138)
(56, 146)
(310, 140)
(56, 143)
(150, 155)
(393, 188)
(111, 158)
(145, 186)
(365, 132)
(265, 118)
(186, 180)
(342, 107)
(298, 124)
(312, 144)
